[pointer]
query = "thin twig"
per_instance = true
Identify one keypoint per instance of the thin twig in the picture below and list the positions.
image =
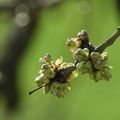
(38, 88)
(109, 41)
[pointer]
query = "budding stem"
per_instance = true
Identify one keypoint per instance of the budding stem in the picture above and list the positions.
(109, 41)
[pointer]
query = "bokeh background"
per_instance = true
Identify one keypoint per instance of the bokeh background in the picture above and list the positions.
(87, 99)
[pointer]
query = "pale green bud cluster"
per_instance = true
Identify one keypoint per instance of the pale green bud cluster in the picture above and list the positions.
(49, 70)
(81, 54)
(100, 64)
(94, 63)
(60, 89)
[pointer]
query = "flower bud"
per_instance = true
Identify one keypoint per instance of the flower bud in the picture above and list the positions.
(82, 67)
(100, 63)
(106, 73)
(40, 79)
(80, 55)
(73, 44)
(73, 75)
(103, 74)
(59, 89)
(65, 65)
(49, 73)
(45, 67)
(94, 56)
(86, 50)
(83, 35)
(53, 64)
(46, 59)
(98, 75)
(41, 60)
(59, 61)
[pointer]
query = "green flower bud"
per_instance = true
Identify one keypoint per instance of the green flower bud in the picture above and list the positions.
(106, 73)
(73, 44)
(99, 60)
(86, 50)
(94, 56)
(53, 65)
(74, 74)
(59, 89)
(40, 80)
(46, 59)
(103, 74)
(41, 61)
(59, 61)
(98, 75)
(80, 35)
(90, 69)
(80, 55)
(85, 67)
(100, 63)
(82, 67)
(83, 35)
(65, 65)
(49, 73)
(45, 67)
(46, 80)
(104, 54)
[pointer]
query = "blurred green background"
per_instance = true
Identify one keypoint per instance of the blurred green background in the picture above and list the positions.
(87, 100)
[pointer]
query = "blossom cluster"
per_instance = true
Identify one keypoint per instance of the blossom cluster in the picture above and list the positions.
(91, 62)
(48, 76)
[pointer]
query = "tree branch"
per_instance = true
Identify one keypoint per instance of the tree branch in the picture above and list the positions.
(16, 45)
(7, 7)
(18, 40)
(30, 3)
(109, 41)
